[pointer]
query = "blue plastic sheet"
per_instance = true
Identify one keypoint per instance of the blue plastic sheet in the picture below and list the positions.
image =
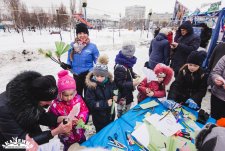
(127, 123)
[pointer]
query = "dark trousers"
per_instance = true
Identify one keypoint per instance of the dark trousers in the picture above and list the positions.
(217, 107)
(80, 83)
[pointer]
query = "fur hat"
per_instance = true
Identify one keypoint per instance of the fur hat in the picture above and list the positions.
(44, 88)
(65, 82)
(161, 70)
(164, 31)
(81, 27)
(101, 67)
(128, 49)
(211, 137)
(196, 57)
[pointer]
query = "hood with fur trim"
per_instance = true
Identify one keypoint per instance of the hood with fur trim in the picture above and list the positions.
(24, 106)
(92, 84)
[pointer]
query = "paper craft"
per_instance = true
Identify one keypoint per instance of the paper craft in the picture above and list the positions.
(168, 125)
(150, 104)
(150, 74)
(74, 112)
(138, 124)
(193, 125)
(116, 149)
(142, 135)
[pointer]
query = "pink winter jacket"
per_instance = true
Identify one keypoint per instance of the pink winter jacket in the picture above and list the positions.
(63, 108)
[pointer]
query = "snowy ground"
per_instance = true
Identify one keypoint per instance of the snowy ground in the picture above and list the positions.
(16, 56)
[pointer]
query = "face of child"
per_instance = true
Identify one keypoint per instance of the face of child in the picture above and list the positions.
(82, 36)
(100, 78)
(193, 67)
(68, 95)
(160, 79)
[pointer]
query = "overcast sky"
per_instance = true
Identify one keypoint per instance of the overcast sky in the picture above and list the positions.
(114, 7)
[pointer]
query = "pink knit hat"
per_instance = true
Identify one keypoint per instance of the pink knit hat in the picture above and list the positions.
(65, 81)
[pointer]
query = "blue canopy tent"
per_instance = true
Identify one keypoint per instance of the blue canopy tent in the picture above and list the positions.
(215, 35)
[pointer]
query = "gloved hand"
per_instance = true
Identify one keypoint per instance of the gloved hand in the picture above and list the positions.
(191, 103)
(169, 104)
(65, 66)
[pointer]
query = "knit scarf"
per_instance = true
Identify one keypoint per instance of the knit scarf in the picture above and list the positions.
(78, 45)
(123, 60)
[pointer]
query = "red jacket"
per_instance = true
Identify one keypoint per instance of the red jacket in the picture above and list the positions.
(170, 37)
(153, 86)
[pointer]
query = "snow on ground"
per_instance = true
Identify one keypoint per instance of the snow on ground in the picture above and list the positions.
(16, 56)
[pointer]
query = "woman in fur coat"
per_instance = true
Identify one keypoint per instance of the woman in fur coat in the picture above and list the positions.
(100, 94)
(22, 112)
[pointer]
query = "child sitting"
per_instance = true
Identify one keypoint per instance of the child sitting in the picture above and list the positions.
(66, 100)
(100, 94)
(191, 83)
(125, 78)
(155, 88)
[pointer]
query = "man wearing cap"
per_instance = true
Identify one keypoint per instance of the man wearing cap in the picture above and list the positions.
(22, 112)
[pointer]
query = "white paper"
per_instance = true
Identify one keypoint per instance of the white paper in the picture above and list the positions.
(142, 135)
(74, 112)
(150, 74)
(168, 125)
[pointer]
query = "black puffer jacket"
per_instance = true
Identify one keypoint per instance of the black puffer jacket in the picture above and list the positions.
(186, 44)
(123, 78)
(19, 115)
(97, 96)
(188, 85)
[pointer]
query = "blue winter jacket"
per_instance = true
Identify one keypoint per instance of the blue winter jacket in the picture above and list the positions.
(159, 51)
(85, 60)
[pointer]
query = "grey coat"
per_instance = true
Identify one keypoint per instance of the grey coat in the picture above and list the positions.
(218, 71)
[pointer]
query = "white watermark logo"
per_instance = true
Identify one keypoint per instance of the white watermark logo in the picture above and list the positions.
(16, 143)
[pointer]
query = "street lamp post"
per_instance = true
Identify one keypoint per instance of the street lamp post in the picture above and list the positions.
(119, 24)
(84, 5)
(57, 11)
(149, 15)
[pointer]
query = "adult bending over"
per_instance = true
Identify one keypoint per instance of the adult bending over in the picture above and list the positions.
(22, 112)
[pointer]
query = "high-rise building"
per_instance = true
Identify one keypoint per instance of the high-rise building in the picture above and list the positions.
(135, 12)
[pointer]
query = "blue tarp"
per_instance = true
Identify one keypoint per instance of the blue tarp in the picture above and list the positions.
(127, 123)
(214, 38)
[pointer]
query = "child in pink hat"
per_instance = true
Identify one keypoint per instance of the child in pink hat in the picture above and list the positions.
(66, 100)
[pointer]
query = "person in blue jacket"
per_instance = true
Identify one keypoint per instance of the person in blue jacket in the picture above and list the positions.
(81, 57)
(159, 50)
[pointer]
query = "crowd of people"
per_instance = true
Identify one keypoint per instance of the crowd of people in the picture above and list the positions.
(27, 102)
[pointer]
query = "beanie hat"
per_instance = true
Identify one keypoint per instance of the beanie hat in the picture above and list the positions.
(128, 49)
(65, 82)
(211, 138)
(101, 67)
(44, 88)
(164, 71)
(196, 57)
(81, 27)
(164, 31)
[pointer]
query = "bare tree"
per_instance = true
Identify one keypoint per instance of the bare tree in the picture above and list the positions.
(63, 16)
(13, 7)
